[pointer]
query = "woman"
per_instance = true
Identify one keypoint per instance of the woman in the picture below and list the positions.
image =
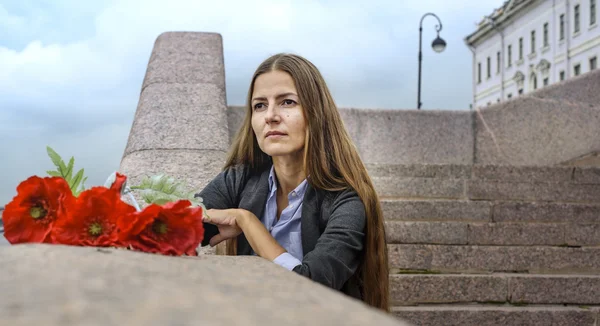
(294, 190)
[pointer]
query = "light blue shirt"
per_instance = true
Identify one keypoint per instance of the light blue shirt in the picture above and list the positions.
(287, 230)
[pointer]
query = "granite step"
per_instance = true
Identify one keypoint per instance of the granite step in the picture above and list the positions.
(483, 182)
(497, 315)
(436, 210)
(499, 234)
(400, 209)
(480, 189)
(509, 173)
(516, 289)
(485, 259)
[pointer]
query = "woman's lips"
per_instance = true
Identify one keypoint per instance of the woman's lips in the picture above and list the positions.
(275, 134)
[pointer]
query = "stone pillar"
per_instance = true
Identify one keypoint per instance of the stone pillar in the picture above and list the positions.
(180, 126)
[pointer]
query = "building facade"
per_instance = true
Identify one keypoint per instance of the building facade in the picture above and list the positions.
(528, 44)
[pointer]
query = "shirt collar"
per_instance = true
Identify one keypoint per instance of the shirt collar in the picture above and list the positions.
(299, 191)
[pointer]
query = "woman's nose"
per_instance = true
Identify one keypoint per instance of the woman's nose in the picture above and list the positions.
(272, 114)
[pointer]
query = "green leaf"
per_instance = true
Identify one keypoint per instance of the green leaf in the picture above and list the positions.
(54, 173)
(66, 172)
(69, 170)
(161, 189)
(76, 180)
(57, 160)
(161, 201)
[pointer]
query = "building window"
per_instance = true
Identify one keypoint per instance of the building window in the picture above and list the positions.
(534, 81)
(489, 67)
(593, 63)
(576, 19)
(562, 27)
(509, 55)
(562, 75)
(509, 95)
(498, 62)
(521, 48)
(532, 41)
(545, 34)
(577, 70)
(592, 12)
(479, 72)
(546, 81)
(520, 91)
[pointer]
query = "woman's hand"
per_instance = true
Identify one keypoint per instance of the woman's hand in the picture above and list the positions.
(227, 221)
(235, 221)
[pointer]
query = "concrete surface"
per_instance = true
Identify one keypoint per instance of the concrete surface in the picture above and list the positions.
(59, 285)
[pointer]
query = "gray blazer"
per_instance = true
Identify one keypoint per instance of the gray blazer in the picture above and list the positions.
(332, 225)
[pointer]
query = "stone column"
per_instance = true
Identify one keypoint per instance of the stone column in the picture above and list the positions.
(180, 126)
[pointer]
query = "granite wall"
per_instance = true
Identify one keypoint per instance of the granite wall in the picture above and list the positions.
(559, 124)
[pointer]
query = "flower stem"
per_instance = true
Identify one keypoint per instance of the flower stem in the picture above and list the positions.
(135, 203)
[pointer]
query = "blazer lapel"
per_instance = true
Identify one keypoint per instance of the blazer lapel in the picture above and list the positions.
(310, 219)
(254, 199)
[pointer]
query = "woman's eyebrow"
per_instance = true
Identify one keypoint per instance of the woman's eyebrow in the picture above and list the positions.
(260, 98)
(286, 94)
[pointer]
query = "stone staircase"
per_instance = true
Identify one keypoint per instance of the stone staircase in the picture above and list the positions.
(492, 245)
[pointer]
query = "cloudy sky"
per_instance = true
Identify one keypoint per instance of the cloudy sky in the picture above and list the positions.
(71, 71)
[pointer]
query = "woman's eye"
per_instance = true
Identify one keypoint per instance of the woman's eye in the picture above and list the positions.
(258, 106)
(289, 102)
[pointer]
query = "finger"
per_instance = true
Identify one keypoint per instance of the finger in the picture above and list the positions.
(215, 240)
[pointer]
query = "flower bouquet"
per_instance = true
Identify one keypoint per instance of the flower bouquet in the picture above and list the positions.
(57, 209)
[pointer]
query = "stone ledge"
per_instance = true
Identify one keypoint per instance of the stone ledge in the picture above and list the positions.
(487, 182)
(482, 259)
(442, 171)
(583, 234)
(505, 173)
(579, 89)
(418, 187)
(546, 289)
(529, 131)
(411, 136)
(490, 315)
(517, 289)
(426, 232)
(545, 212)
(522, 173)
(59, 285)
(416, 289)
(492, 234)
(525, 191)
(587, 175)
(436, 210)
(518, 234)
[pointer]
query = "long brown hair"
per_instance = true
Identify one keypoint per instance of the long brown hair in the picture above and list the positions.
(331, 160)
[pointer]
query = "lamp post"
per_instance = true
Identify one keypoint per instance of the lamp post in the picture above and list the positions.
(438, 46)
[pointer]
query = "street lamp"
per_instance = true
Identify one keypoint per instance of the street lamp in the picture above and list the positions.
(438, 46)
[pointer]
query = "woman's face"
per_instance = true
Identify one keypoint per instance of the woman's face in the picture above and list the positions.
(277, 115)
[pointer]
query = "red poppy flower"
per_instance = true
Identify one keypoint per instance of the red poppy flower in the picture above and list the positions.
(119, 182)
(171, 229)
(39, 203)
(93, 221)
